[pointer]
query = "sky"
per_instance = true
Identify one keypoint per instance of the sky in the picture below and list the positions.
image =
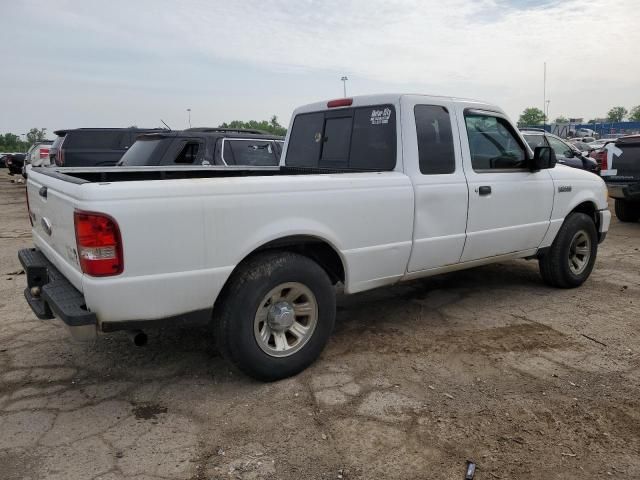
(87, 63)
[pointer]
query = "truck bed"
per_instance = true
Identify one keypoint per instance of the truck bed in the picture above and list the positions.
(124, 174)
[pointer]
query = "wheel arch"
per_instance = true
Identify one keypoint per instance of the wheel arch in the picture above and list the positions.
(318, 249)
(589, 208)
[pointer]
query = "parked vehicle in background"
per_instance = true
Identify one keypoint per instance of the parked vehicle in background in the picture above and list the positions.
(583, 132)
(621, 172)
(93, 147)
(37, 156)
(14, 162)
(566, 152)
(373, 190)
(583, 147)
(2, 160)
(205, 146)
(596, 144)
(583, 139)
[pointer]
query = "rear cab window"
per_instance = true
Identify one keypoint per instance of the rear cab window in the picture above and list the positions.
(360, 138)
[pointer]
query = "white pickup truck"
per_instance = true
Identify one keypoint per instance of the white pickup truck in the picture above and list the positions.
(371, 191)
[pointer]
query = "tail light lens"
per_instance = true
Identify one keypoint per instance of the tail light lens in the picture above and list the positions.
(60, 157)
(601, 158)
(99, 244)
(44, 153)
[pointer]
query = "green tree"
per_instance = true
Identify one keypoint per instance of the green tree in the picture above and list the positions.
(269, 126)
(616, 114)
(10, 142)
(531, 116)
(36, 135)
(561, 119)
(634, 115)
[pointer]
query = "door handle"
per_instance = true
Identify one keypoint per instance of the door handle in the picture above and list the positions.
(43, 192)
(484, 190)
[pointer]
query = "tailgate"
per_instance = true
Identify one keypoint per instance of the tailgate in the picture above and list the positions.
(52, 202)
(624, 159)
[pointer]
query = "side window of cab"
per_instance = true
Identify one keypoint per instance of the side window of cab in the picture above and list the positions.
(493, 143)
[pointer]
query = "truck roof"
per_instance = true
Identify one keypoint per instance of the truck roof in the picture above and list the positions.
(208, 133)
(64, 131)
(377, 99)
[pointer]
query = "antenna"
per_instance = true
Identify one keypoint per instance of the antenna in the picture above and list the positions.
(165, 124)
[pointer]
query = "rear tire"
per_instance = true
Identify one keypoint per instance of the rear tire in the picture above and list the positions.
(627, 211)
(275, 315)
(569, 261)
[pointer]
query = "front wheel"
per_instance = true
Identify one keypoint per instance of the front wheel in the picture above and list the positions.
(275, 315)
(627, 211)
(569, 261)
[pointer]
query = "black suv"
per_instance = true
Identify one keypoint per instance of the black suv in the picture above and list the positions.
(93, 147)
(205, 146)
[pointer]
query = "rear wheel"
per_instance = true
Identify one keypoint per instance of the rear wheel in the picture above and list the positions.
(627, 211)
(275, 315)
(569, 261)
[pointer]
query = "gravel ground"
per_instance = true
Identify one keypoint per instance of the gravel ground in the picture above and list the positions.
(488, 365)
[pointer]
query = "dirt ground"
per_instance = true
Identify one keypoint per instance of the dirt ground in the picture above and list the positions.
(488, 365)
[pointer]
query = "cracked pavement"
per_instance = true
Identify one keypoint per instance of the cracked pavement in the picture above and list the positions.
(487, 364)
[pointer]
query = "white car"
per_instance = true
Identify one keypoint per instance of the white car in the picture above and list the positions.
(38, 155)
(371, 191)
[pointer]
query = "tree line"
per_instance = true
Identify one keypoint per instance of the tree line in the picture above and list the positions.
(10, 142)
(535, 116)
(269, 126)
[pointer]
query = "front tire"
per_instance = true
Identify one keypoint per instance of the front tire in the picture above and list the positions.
(275, 315)
(627, 211)
(569, 261)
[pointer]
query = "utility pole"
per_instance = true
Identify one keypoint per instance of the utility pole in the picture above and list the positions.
(189, 113)
(544, 96)
(344, 85)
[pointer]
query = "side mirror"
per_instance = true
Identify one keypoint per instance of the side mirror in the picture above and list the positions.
(543, 157)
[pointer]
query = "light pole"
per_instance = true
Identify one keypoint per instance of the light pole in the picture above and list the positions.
(189, 113)
(344, 85)
(546, 114)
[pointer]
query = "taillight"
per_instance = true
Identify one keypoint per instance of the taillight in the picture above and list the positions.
(601, 158)
(99, 244)
(341, 102)
(44, 153)
(60, 157)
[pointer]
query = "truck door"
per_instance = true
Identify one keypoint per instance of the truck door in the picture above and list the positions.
(509, 205)
(432, 153)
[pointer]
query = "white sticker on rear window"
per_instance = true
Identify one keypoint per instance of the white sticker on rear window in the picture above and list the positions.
(380, 117)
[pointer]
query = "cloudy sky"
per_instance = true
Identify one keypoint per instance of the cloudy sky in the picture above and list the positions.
(122, 62)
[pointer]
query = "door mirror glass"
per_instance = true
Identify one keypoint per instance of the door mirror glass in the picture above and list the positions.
(543, 157)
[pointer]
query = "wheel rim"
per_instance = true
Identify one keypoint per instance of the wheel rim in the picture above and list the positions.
(286, 319)
(579, 252)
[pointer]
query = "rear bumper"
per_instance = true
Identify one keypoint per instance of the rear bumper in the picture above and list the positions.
(626, 191)
(50, 294)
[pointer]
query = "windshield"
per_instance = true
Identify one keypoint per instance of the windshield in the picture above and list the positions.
(140, 153)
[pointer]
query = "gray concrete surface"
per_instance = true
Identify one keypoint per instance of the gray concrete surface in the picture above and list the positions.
(487, 364)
